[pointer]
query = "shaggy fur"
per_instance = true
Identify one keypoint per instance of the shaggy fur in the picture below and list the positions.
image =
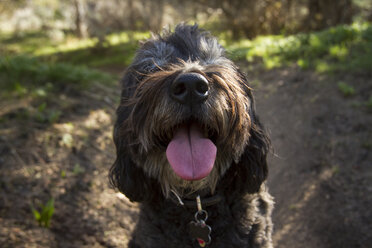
(146, 120)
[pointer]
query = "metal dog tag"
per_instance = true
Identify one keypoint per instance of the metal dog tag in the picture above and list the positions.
(199, 230)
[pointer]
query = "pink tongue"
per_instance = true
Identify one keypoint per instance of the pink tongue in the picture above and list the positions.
(190, 154)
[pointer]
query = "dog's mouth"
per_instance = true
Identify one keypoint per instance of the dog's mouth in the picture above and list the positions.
(191, 152)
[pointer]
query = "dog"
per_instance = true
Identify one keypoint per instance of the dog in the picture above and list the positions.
(190, 147)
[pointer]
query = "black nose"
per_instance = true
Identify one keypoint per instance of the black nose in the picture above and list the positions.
(189, 88)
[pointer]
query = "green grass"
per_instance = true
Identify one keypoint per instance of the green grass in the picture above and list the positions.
(27, 75)
(25, 43)
(342, 48)
(113, 49)
(44, 86)
(116, 55)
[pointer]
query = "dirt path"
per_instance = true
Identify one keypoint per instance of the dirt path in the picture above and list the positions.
(321, 174)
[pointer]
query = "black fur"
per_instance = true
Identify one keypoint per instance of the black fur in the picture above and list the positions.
(243, 217)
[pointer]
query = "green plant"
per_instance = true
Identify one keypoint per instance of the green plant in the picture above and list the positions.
(45, 115)
(346, 90)
(340, 48)
(44, 216)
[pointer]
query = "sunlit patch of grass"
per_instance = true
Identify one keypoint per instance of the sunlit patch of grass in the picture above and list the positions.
(339, 52)
(113, 49)
(340, 48)
(302, 63)
(71, 44)
(23, 74)
(43, 85)
(322, 66)
(99, 56)
(24, 43)
(125, 37)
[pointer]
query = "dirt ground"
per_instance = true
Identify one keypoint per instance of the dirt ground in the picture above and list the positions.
(320, 169)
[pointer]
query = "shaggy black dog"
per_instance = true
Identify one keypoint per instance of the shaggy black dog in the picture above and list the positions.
(190, 147)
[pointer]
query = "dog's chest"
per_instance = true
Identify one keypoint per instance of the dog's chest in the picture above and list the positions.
(178, 227)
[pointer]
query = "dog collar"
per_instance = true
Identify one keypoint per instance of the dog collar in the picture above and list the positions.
(206, 202)
(199, 230)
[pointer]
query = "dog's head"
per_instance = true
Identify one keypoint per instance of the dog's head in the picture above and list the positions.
(186, 121)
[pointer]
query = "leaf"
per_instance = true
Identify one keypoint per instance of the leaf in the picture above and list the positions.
(36, 214)
(46, 214)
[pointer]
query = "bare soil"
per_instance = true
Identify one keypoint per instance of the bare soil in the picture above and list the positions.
(320, 169)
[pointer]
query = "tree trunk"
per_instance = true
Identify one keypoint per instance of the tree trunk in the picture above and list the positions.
(80, 27)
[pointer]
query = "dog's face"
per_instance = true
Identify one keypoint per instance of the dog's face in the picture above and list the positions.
(186, 117)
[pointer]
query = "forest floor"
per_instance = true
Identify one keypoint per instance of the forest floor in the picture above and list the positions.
(320, 168)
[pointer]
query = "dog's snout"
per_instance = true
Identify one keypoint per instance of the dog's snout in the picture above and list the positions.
(190, 88)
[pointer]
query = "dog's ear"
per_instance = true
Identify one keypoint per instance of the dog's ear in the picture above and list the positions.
(124, 174)
(251, 171)
(252, 165)
(131, 180)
